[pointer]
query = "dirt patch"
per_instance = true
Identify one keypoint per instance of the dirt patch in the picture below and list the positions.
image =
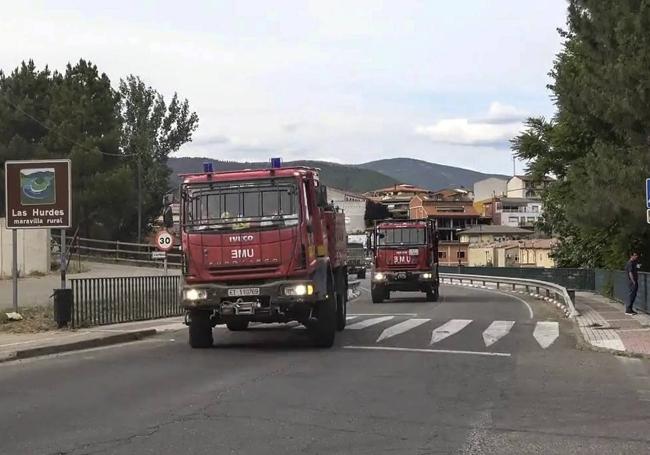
(35, 319)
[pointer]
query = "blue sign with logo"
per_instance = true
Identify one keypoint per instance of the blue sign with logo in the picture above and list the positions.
(647, 193)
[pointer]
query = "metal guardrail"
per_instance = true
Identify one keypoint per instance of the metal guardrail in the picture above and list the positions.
(101, 301)
(552, 290)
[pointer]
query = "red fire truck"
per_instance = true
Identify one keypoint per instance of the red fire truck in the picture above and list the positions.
(405, 258)
(261, 246)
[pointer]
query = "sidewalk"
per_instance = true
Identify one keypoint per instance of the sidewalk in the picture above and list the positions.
(24, 345)
(603, 324)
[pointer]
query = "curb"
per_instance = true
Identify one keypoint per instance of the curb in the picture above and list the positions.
(96, 342)
(583, 345)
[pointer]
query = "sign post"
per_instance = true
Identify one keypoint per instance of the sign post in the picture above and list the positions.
(38, 195)
(164, 242)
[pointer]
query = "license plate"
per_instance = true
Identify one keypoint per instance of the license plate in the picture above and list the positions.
(414, 252)
(243, 292)
(401, 276)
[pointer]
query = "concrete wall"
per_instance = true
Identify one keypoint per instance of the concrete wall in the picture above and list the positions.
(489, 188)
(481, 256)
(33, 251)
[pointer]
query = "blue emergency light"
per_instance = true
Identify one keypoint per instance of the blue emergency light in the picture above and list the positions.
(276, 163)
(207, 167)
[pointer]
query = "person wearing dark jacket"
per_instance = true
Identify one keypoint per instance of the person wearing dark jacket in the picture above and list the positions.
(632, 274)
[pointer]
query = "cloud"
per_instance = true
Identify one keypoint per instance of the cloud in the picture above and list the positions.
(216, 139)
(501, 124)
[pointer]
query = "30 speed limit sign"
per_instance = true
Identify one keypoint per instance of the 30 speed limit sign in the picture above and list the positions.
(164, 241)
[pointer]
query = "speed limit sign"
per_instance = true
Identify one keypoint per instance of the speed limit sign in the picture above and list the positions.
(164, 241)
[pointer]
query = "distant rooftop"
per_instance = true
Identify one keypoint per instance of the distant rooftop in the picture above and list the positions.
(404, 187)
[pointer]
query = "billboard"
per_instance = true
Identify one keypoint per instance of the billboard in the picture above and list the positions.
(38, 194)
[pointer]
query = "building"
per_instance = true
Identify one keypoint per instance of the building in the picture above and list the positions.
(396, 198)
(453, 253)
(516, 212)
(492, 187)
(525, 187)
(513, 253)
(452, 194)
(354, 207)
(484, 233)
(451, 217)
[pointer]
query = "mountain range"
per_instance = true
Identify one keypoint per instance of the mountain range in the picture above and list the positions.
(352, 177)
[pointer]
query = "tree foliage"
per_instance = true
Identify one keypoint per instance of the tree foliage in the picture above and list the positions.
(598, 142)
(78, 115)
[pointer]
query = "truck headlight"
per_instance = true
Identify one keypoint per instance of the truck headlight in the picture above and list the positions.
(426, 276)
(195, 294)
(299, 290)
(379, 276)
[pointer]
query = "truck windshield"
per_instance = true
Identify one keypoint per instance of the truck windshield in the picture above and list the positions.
(401, 236)
(241, 205)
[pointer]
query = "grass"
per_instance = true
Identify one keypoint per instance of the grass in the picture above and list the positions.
(35, 319)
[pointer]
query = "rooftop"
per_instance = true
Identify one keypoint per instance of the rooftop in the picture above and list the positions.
(403, 187)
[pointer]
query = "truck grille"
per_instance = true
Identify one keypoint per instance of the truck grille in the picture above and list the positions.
(262, 268)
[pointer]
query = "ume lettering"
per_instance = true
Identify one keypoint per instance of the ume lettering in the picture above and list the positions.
(242, 254)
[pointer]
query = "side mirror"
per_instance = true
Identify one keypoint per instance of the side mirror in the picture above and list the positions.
(321, 195)
(168, 217)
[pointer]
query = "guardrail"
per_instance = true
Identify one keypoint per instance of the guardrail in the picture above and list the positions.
(115, 251)
(552, 291)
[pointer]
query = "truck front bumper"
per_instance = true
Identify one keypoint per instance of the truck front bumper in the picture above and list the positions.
(405, 280)
(261, 299)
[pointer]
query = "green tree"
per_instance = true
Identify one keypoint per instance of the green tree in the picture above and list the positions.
(151, 130)
(598, 143)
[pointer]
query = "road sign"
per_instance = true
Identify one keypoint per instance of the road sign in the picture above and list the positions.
(38, 194)
(158, 254)
(164, 241)
(647, 193)
(648, 216)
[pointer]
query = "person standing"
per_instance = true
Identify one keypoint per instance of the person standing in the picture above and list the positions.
(632, 272)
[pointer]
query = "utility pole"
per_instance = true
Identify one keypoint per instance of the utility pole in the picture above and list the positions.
(139, 200)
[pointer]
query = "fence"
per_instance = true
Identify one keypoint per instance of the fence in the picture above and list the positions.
(615, 284)
(580, 279)
(101, 301)
(115, 251)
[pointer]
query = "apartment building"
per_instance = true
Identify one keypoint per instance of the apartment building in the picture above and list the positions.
(515, 212)
(451, 217)
(396, 198)
(352, 205)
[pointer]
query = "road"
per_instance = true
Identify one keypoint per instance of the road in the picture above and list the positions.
(405, 377)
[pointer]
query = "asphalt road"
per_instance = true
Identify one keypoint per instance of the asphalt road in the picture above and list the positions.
(405, 377)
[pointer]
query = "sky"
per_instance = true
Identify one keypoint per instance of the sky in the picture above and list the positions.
(348, 81)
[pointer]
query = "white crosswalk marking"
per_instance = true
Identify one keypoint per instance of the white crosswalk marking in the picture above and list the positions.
(448, 329)
(496, 331)
(401, 328)
(546, 332)
(368, 322)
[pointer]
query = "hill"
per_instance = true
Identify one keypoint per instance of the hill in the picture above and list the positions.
(425, 174)
(345, 177)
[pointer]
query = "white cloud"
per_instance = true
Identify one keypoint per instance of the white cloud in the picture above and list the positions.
(501, 124)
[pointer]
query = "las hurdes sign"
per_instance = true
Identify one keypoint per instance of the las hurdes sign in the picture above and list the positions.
(38, 194)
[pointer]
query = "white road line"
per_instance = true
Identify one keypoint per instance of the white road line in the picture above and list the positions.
(368, 322)
(429, 351)
(349, 318)
(531, 315)
(401, 328)
(383, 314)
(496, 331)
(448, 329)
(546, 332)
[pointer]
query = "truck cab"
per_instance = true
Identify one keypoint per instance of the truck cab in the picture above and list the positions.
(261, 246)
(405, 258)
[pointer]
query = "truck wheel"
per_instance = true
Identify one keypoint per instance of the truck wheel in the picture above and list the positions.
(432, 295)
(377, 293)
(200, 329)
(361, 275)
(237, 324)
(324, 330)
(341, 312)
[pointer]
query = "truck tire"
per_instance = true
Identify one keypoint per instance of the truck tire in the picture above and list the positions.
(237, 324)
(432, 295)
(200, 329)
(341, 312)
(324, 330)
(377, 293)
(362, 274)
